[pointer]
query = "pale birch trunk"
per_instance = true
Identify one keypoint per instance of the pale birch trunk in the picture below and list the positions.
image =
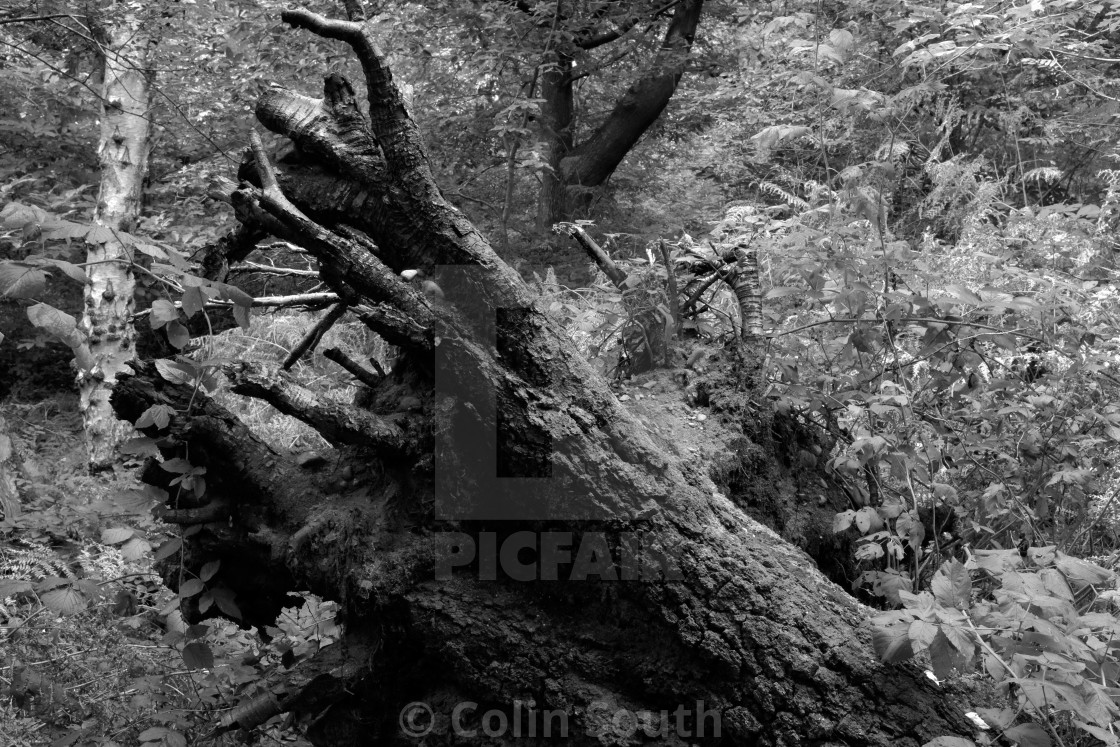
(123, 153)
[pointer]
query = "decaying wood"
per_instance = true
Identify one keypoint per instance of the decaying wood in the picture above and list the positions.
(744, 625)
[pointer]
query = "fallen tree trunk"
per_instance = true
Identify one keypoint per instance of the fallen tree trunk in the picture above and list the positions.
(652, 591)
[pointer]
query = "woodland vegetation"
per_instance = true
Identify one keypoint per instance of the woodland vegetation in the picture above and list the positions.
(308, 309)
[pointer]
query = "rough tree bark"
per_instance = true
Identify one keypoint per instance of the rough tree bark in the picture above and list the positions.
(123, 152)
(577, 169)
(744, 623)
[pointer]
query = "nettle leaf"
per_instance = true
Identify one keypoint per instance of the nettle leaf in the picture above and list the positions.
(197, 655)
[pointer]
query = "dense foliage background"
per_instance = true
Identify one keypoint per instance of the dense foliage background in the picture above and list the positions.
(932, 194)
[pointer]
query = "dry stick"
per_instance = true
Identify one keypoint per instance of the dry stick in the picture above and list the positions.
(674, 300)
(613, 271)
(311, 339)
(353, 367)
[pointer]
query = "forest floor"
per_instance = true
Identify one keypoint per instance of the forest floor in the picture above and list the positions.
(91, 649)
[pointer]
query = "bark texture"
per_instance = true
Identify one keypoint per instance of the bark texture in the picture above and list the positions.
(490, 424)
(577, 169)
(123, 153)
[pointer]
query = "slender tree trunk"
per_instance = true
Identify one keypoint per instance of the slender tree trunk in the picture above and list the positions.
(556, 132)
(123, 152)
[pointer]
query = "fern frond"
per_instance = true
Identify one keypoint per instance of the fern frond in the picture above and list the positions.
(774, 190)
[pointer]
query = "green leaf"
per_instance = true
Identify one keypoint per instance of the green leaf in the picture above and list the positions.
(892, 643)
(177, 372)
(99, 235)
(135, 549)
(56, 322)
(72, 271)
(224, 598)
(65, 600)
(20, 280)
(168, 548)
(157, 415)
(191, 587)
(209, 570)
(194, 300)
(950, 742)
(843, 520)
(1028, 735)
(163, 312)
(9, 588)
(922, 633)
(177, 335)
(961, 293)
(235, 294)
(241, 316)
(946, 658)
(197, 655)
(997, 718)
(116, 535)
(952, 586)
(867, 520)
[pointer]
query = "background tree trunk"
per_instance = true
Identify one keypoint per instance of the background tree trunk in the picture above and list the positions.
(578, 169)
(490, 424)
(123, 152)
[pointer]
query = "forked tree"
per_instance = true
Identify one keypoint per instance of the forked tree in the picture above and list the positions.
(490, 423)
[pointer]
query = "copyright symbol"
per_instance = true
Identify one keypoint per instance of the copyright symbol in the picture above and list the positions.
(416, 719)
